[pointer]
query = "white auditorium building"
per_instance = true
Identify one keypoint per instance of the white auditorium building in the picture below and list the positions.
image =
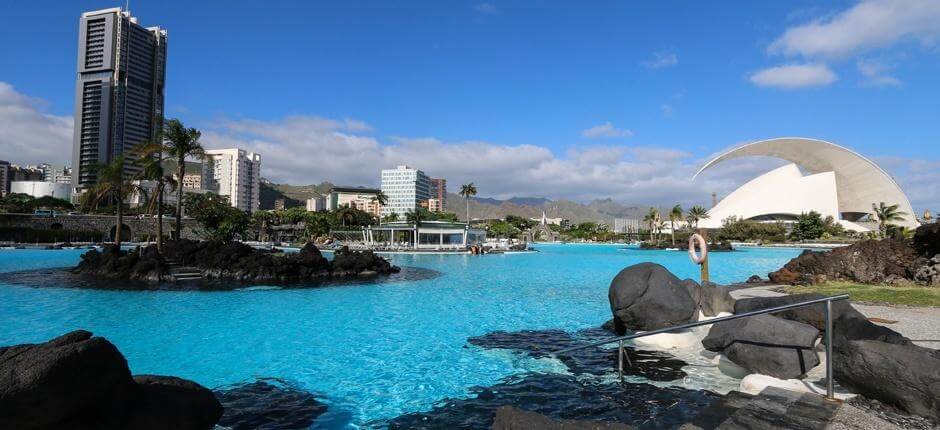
(822, 177)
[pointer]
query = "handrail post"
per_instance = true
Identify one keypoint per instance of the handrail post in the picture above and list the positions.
(620, 360)
(829, 390)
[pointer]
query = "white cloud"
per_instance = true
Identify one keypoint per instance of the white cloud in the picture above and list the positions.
(606, 129)
(486, 9)
(868, 25)
(661, 59)
(28, 135)
(874, 74)
(794, 76)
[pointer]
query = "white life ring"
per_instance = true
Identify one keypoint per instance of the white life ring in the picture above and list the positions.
(701, 243)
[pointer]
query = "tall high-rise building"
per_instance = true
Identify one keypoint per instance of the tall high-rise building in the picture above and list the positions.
(119, 91)
(439, 193)
(235, 173)
(4, 178)
(405, 189)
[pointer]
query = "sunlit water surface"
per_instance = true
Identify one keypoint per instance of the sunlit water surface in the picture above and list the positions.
(370, 351)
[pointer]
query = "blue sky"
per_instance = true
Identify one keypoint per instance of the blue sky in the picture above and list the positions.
(575, 100)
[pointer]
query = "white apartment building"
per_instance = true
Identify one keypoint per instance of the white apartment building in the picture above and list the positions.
(316, 204)
(235, 173)
(626, 225)
(405, 188)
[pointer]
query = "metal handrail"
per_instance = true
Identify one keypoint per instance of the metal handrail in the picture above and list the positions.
(828, 333)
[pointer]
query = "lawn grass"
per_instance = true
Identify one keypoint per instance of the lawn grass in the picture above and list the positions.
(908, 295)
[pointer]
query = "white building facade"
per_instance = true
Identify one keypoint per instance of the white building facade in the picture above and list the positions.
(405, 188)
(234, 173)
(39, 189)
(837, 182)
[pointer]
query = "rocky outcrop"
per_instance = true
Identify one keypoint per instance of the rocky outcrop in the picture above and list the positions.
(81, 381)
(906, 376)
(232, 261)
(511, 418)
(766, 344)
(143, 264)
(929, 273)
(847, 322)
(926, 240)
(868, 261)
(647, 296)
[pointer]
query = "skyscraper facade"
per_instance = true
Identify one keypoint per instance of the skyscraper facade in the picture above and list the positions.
(235, 173)
(405, 189)
(439, 193)
(4, 178)
(119, 91)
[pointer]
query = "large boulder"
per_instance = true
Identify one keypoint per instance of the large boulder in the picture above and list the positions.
(847, 322)
(868, 261)
(715, 299)
(766, 344)
(906, 376)
(71, 380)
(927, 239)
(80, 381)
(170, 402)
(647, 296)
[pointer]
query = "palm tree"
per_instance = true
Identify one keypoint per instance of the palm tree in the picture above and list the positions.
(675, 215)
(150, 158)
(468, 190)
(652, 220)
(181, 143)
(344, 212)
(696, 214)
(114, 186)
(380, 199)
(885, 214)
(414, 216)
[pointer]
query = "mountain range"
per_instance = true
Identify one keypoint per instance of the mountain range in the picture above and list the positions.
(603, 210)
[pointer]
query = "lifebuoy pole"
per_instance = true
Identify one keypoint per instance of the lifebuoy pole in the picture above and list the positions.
(702, 260)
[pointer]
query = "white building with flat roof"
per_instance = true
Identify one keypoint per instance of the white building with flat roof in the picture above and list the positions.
(405, 188)
(235, 173)
(39, 189)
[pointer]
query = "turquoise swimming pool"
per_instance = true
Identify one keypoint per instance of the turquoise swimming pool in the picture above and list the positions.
(370, 351)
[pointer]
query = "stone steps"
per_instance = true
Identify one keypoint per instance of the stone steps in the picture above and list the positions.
(181, 273)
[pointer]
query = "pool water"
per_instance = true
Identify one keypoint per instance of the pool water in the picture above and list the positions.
(369, 351)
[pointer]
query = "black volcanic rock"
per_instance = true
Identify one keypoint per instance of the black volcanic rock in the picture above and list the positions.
(231, 261)
(80, 381)
(268, 403)
(868, 261)
(511, 418)
(926, 240)
(766, 344)
(647, 296)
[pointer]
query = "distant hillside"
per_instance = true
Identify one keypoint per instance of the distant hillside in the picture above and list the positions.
(531, 207)
(480, 207)
(293, 195)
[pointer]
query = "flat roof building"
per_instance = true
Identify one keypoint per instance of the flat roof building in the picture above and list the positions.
(405, 188)
(235, 173)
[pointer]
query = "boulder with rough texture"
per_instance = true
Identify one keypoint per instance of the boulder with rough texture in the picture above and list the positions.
(143, 264)
(906, 376)
(511, 418)
(926, 240)
(929, 273)
(647, 296)
(71, 380)
(754, 279)
(170, 402)
(766, 344)
(83, 382)
(868, 261)
(847, 322)
(715, 299)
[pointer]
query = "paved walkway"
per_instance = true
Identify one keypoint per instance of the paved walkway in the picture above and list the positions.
(921, 325)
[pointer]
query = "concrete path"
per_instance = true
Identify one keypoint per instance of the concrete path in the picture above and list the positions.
(922, 325)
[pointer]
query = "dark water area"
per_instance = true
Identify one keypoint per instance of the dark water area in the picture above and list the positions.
(563, 397)
(596, 361)
(268, 403)
(63, 278)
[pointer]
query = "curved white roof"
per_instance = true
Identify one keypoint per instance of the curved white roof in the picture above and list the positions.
(859, 181)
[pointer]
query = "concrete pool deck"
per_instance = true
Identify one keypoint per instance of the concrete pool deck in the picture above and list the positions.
(920, 324)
